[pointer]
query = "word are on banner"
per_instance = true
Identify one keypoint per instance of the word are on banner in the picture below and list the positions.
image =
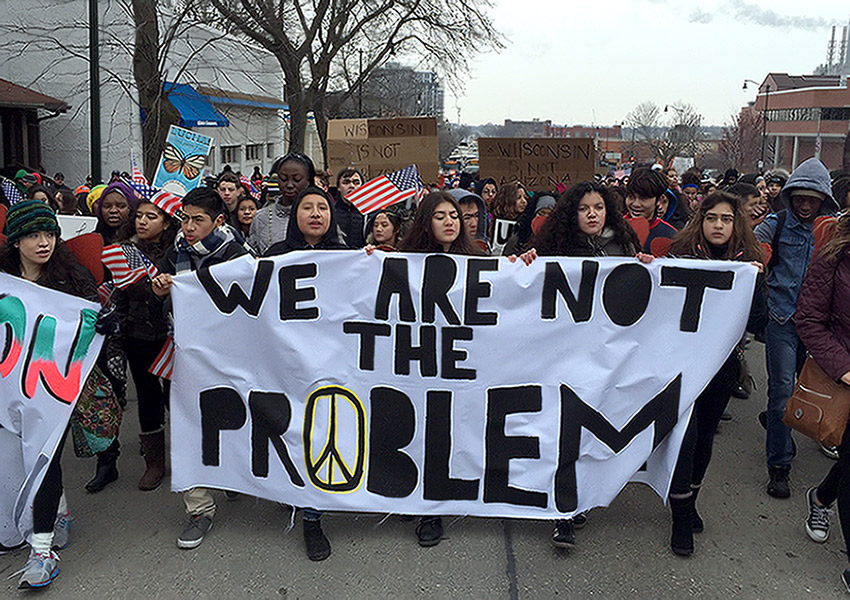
(49, 350)
(438, 384)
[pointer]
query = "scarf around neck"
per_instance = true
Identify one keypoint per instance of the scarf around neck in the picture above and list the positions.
(190, 256)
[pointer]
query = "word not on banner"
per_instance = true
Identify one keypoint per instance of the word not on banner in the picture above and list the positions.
(439, 384)
(379, 146)
(538, 163)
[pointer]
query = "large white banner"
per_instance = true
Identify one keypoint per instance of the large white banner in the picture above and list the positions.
(48, 346)
(437, 384)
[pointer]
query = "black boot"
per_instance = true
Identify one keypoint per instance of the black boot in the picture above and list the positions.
(682, 539)
(106, 471)
(699, 526)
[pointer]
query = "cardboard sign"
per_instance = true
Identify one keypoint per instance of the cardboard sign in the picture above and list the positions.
(75, 225)
(539, 163)
(182, 162)
(378, 146)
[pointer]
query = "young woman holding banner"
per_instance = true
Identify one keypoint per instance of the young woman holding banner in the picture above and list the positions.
(717, 231)
(311, 227)
(585, 222)
(437, 227)
(33, 251)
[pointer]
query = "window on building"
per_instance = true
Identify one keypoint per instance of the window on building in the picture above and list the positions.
(253, 152)
(836, 114)
(230, 154)
(269, 150)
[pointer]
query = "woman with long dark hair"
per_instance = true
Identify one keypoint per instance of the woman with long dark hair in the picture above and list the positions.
(143, 335)
(437, 227)
(823, 324)
(585, 222)
(719, 230)
(33, 251)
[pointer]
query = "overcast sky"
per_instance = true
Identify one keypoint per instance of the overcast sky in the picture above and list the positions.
(578, 62)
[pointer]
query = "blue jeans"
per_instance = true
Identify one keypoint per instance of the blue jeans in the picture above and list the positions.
(785, 355)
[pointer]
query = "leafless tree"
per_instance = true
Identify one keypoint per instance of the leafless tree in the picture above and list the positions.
(674, 131)
(740, 146)
(327, 45)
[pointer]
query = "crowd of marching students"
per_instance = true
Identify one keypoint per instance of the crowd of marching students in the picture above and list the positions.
(787, 225)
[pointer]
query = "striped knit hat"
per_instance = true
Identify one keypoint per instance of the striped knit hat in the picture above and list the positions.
(30, 216)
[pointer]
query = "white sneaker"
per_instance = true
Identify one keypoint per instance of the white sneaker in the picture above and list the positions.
(817, 523)
(62, 531)
(39, 571)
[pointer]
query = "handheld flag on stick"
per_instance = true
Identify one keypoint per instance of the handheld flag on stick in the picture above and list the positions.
(249, 185)
(127, 264)
(387, 189)
(163, 366)
(13, 194)
(136, 172)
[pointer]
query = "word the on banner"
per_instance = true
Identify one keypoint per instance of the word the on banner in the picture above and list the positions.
(539, 163)
(49, 349)
(437, 384)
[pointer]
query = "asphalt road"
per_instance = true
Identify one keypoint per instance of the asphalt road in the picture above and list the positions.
(123, 542)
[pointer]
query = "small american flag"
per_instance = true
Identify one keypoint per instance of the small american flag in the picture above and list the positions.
(104, 293)
(163, 366)
(127, 264)
(255, 193)
(136, 172)
(387, 189)
(13, 194)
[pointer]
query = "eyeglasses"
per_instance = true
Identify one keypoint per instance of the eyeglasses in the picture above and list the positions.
(713, 218)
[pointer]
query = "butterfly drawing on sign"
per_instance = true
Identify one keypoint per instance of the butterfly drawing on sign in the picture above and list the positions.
(191, 165)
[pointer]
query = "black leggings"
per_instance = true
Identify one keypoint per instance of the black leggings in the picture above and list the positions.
(152, 397)
(46, 501)
(836, 486)
(699, 437)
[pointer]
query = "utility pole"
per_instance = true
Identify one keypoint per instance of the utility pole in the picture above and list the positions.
(94, 93)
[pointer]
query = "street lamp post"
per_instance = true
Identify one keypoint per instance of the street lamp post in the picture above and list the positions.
(764, 119)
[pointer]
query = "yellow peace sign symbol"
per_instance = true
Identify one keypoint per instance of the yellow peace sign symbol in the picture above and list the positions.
(328, 470)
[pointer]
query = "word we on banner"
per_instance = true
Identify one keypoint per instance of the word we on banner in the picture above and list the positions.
(438, 384)
(49, 350)
(379, 146)
(539, 163)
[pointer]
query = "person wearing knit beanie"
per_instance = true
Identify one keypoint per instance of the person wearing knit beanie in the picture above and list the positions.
(93, 196)
(28, 217)
(116, 205)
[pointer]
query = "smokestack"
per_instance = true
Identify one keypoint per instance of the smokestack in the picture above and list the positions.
(830, 53)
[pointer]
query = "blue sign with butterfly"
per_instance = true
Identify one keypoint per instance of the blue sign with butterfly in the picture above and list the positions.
(182, 161)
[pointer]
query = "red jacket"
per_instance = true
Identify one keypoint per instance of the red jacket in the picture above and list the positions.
(823, 314)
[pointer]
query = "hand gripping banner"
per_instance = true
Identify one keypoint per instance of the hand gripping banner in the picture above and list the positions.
(437, 384)
(48, 346)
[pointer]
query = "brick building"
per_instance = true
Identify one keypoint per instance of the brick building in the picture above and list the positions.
(801, 109)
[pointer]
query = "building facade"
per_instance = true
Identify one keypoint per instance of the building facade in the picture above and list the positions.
(47, 46)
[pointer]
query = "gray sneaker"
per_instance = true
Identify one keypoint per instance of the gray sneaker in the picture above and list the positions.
(62, 531)
(194, 531)
(39, 571)
(817, 523)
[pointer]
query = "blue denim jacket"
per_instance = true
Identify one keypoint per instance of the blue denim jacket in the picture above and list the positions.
(796, 246)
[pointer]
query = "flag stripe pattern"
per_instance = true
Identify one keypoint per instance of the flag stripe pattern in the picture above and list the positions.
(163, 366)
(255, 193)
(104, 293)
(387, 189)
(169, 203)
(136, 172)
(127, 264)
